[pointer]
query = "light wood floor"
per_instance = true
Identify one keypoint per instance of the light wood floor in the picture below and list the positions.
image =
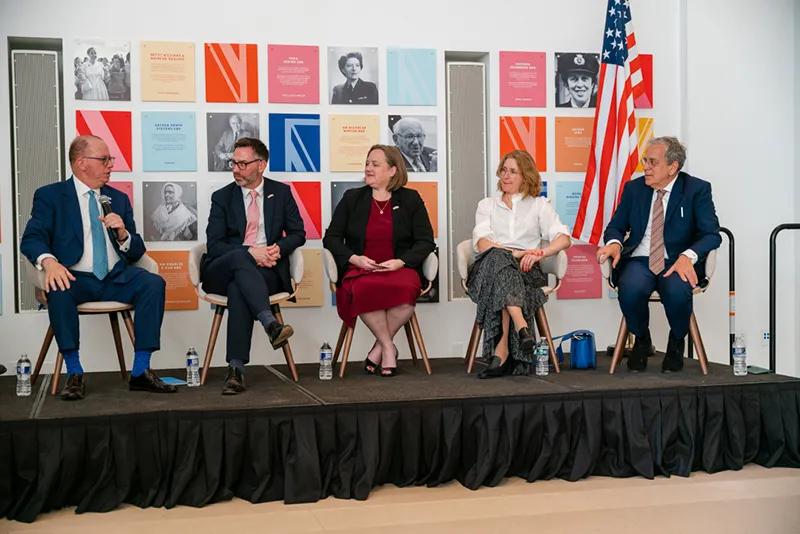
(751, 501)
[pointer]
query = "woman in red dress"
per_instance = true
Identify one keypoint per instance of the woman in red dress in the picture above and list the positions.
(379, 236)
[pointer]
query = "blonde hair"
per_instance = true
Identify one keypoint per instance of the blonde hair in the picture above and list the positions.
(394, 158)
(531, 180)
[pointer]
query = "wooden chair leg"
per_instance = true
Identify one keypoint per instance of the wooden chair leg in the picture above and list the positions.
(48, 339)
(410, 338)
(544, 331)
(339, 341)
(472, 348)
(421, 342)
(620, 345)
(348, 339)
(219, 311)
(56, 374)
(287, 350)
(128, 321)
(694, 332)
(114, 319)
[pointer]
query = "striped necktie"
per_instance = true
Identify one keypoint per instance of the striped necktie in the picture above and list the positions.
(657, 234)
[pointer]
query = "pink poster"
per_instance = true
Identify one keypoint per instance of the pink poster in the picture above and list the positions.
(124, 187)
(293, 74)
(522, 79)
(583, 279)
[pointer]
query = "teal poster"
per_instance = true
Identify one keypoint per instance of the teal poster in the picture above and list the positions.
(411, 76)
(169, 141)
(568, 199)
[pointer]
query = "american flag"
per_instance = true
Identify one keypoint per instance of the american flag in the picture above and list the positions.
(614, 152)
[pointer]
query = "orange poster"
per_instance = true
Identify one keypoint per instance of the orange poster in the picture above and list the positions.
(231, 72)
(525, 133)
(310, 293)
(644, 128)
(573, 139)
(429, 191)
(173, 266)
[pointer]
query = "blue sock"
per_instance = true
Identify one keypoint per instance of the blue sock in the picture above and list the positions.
(141, 362)
(237, 364)
(266, 318)
(72, 359)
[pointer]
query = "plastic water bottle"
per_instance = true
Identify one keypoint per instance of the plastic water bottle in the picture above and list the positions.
(739, 355)
(542, 355)
(192, 368)
(325, 362)
(23, 376)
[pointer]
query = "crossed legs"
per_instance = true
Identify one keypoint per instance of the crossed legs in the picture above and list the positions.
(510, 314)
(384, 324)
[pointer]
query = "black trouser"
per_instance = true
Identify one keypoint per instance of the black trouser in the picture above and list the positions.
(248, 287)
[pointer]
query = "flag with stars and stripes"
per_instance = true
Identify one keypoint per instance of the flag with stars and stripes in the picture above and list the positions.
(614, 152)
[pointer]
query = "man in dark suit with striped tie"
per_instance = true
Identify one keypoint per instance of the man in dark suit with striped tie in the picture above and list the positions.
(658, 239)
(253, 227)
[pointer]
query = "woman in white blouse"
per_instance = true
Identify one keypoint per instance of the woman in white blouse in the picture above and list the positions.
(506, 280)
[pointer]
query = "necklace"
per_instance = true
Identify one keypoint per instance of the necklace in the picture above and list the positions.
(385, 205)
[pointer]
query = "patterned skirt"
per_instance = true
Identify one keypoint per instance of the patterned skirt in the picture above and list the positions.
(496, 281)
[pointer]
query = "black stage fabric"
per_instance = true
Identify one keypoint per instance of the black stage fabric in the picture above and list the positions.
(303, 448)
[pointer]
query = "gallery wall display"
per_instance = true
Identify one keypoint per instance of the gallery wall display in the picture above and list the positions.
(231, 72)
(101, 70)
(222, 131)
(167, 71)
(113, 127)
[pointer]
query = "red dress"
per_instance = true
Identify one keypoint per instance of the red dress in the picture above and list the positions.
(363, 291)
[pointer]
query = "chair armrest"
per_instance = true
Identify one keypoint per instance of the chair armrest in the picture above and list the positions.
(296, 265)
(148, 264)
(33, 275)
(330, 266)
(195, 255)
(555, 265)
(465, 257)
(430, 267)
(711, 264)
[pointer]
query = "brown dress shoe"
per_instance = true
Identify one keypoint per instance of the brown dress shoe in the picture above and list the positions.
(74, 389)
(279, 334)
(149, 381)
(234, 382)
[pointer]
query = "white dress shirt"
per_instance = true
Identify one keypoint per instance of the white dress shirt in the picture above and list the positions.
(261, 237)
(524, 225)
(85, 263)
(643, 249)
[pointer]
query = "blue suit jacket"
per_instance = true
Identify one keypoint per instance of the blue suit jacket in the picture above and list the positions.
(55, 227)
(690, 220)
(282, 224)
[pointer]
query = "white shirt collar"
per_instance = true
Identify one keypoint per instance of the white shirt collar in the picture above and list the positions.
(516, 197)
(82, 188)
(669, 186)
(259, 189)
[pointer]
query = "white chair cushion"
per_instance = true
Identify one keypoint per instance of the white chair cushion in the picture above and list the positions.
(106, 306)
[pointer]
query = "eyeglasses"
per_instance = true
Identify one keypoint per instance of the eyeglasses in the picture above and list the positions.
(506, 170)
(412, 137)
(241, 165)
(105, 159)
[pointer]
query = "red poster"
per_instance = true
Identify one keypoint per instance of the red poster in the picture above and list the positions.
(645, 99)
(113, 127)
(231, 72)
(583, 279)
(123, 187)
(309, 201)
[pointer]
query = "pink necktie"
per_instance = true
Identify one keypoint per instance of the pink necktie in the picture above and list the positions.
(657, 234)
(253, 216)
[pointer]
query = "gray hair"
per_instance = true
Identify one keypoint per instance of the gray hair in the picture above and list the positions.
(675, 151)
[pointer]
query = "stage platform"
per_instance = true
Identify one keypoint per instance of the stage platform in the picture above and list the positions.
(303, 442)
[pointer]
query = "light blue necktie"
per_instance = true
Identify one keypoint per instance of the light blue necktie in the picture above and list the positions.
(99, 250)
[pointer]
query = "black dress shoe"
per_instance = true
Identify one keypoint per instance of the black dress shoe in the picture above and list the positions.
(637, 360)
(673, 360)
(74, 389)
(149, 381)
(234, 382)
(526, 341)
(279, 334)
(495, 369)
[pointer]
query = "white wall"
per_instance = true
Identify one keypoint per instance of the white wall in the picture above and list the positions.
(572, 25)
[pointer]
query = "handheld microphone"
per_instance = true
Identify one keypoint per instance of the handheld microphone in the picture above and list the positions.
(105, 204)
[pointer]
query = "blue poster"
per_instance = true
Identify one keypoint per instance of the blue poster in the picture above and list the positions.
(543, 192)
(169, 141)
(411, 76)
(293, 142)
(568, 199)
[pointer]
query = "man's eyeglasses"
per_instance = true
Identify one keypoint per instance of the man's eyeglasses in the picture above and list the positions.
(413, 137)
(105, 159)
(241, 165)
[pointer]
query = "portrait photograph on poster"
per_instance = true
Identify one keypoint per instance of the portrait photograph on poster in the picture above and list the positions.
(170, 211)
(415, 136)
(576, 79)
(293, 74)
(294, 142)
(222, 131)
(353, 75)
(231, 72)
(102, 70)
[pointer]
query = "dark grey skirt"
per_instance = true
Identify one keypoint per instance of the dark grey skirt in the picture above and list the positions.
(495, 281)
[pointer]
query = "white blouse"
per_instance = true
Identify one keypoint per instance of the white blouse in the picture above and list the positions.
(523, 226)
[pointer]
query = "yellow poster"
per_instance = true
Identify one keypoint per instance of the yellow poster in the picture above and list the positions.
(173, 267)
(309, 293)
(644, 128)
(350, 139)
(167, 71)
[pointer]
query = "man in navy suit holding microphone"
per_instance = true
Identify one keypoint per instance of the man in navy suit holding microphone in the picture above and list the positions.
(87, 251)
(658, 239)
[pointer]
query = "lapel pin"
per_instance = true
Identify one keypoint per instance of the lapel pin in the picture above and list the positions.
(395, 207)
(270, 195)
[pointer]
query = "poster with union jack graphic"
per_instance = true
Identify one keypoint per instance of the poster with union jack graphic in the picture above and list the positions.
(231, 72)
